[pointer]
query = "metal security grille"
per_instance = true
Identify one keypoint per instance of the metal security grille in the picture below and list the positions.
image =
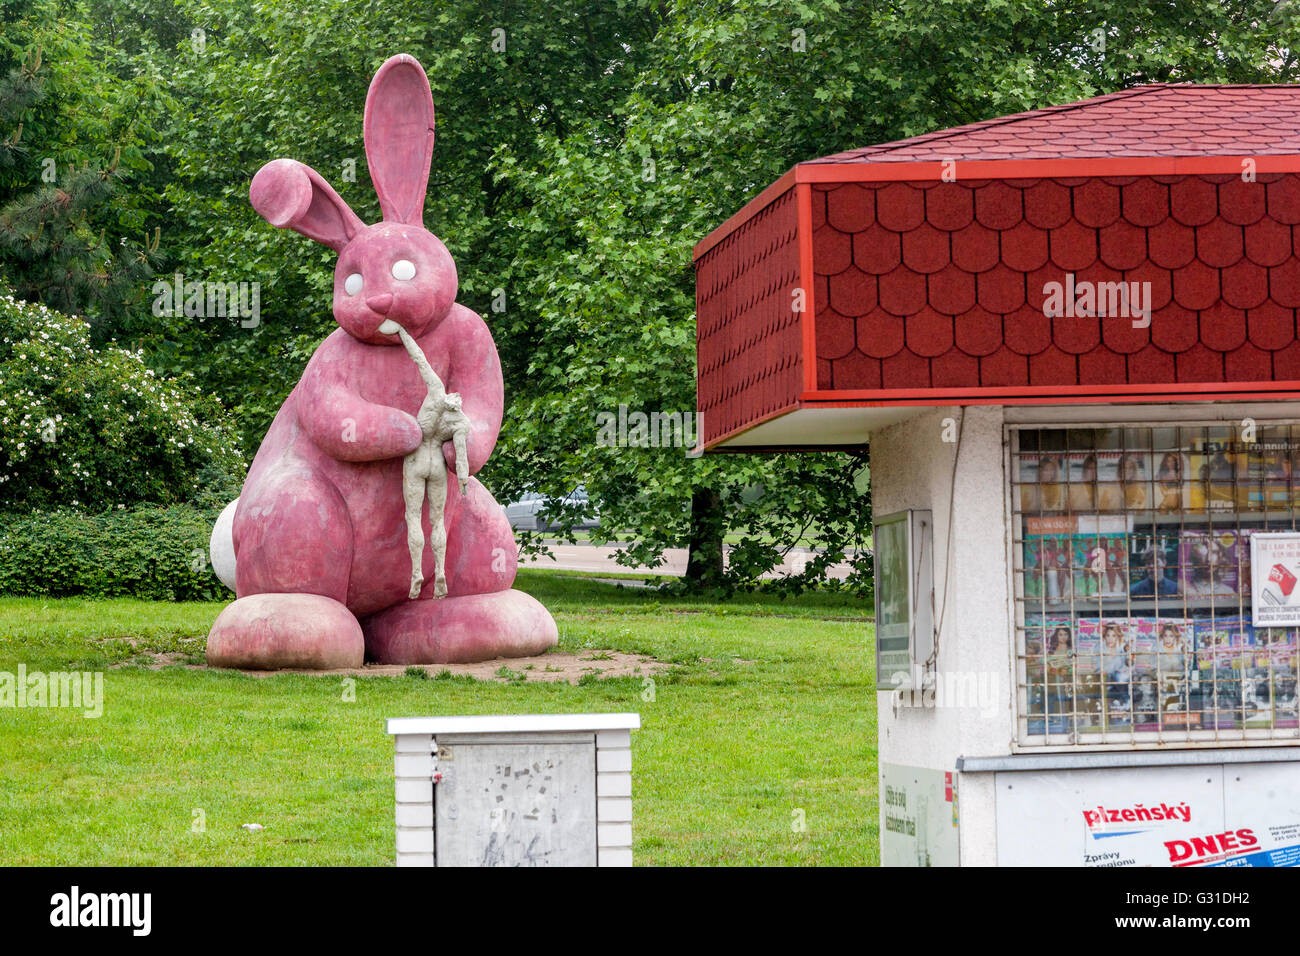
(1131, 556)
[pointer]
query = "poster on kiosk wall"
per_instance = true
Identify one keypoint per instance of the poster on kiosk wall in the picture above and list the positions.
(1172, 816)
(1275, 579)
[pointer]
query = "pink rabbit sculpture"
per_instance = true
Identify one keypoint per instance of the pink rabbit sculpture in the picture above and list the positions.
(322, 568)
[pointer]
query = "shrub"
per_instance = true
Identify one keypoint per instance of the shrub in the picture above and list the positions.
(144, 552)
(96, 428)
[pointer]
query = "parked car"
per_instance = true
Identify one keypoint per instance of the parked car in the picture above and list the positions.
(526, 513)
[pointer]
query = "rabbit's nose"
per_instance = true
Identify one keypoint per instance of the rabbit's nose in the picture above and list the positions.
(381, 303)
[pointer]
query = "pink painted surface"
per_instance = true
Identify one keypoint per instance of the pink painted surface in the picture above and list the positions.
(321, 511)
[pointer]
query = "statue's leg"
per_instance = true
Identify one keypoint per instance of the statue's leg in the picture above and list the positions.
(293, 542)
(481, 618)
(481, 551)
(413, 495)
(436, 491)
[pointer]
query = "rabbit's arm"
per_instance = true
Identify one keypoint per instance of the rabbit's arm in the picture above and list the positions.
(476, 374)
(347, 427)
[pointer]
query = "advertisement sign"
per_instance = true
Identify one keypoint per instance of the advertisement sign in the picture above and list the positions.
(893, 621)
(1252, 793)
(1274, 596)
(918, 816)
(904, 597)
(1215, 815)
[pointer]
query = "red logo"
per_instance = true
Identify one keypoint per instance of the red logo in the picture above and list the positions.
(1198, 849)
(1109, 818)
(1283, 578)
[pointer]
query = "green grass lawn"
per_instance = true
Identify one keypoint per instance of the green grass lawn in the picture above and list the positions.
(770, 711)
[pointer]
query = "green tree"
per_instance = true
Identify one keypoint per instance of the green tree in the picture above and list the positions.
(735, 92)
(70, 235)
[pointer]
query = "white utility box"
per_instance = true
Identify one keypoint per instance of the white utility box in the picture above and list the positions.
(517, 790)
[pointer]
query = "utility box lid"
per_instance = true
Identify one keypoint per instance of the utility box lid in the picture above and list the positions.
(513, 724)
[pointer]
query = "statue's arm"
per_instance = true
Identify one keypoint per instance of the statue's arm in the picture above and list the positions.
(347, 427)
(459, 440)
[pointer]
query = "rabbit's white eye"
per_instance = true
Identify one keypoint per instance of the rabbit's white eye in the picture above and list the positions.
(352, 284)
(403, 269)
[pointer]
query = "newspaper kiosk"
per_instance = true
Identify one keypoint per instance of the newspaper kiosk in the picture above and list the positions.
(1069, 338)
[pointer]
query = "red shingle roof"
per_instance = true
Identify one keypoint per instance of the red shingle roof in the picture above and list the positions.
(941, 285)
(929, 289)
(1164, 119)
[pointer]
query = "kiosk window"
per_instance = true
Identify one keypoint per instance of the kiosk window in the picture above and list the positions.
(1132, 580)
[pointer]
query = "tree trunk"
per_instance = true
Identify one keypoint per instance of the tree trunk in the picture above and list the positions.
(704, 561)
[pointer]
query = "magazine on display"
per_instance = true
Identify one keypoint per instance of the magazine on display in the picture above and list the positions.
(1282, 656)
(1216, 465)
(1153, 562)
(1269, 467)
(1170, 475)
(1222, 648)
(1210, 563)
(1176, 675)
(1087, 642)
(1049, 674)
(1076, 557)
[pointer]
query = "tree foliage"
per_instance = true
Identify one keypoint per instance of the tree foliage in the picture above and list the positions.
(550, 115)
(73, 133)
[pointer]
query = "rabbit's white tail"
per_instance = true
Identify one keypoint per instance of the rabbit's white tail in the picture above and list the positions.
(221, 547)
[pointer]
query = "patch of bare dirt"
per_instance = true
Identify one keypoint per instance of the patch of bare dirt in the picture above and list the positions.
(567, 666)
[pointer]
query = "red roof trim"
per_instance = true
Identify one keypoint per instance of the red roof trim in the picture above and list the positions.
(1031, 394)
(868, 172)
(1074, 395)
(932, 171)
(808, 282)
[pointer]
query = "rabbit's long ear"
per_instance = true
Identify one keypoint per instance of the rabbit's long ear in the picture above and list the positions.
(289, 195)
(399, 138)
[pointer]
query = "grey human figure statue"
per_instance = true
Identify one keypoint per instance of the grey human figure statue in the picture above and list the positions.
(424, 471)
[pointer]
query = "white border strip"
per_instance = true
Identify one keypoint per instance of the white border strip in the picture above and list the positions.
(513, 723)
(1127, 758)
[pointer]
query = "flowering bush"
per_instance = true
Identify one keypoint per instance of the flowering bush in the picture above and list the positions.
(95, 428)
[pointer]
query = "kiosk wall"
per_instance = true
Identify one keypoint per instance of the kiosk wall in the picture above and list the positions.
(1093, 609)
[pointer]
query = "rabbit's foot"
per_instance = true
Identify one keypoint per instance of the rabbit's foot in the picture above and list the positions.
(458, 630)
(268, 632)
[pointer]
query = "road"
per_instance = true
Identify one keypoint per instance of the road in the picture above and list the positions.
(589, 557)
